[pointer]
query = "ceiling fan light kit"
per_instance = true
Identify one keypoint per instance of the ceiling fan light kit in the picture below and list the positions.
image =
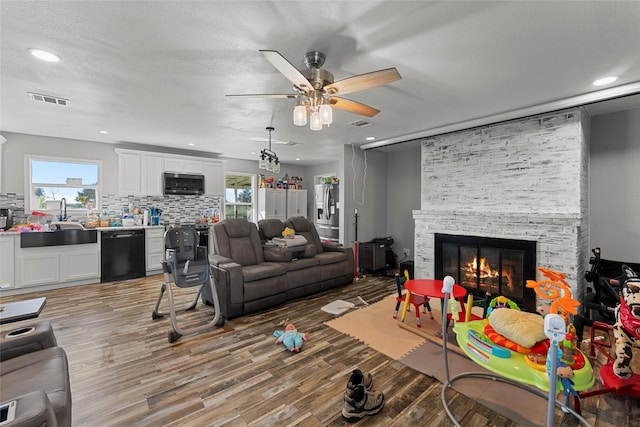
(269, 159)
(316, 92)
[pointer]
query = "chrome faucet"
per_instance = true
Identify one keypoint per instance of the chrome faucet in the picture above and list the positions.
(63, 209)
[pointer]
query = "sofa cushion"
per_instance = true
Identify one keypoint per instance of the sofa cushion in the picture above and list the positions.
(263, 270)
(270, 228)
(238, 239)
(267, 287)
(301, 263)
(46, 370)
(305, 228)
(326, 258)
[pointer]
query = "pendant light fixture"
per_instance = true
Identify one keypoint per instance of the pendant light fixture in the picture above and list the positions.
(269, 159)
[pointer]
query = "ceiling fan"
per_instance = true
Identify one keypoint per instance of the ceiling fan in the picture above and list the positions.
(316, 90)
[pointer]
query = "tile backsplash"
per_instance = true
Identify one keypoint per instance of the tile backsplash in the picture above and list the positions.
(175, 209)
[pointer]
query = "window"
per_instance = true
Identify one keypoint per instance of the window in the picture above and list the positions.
(52, 179)
(239, 196)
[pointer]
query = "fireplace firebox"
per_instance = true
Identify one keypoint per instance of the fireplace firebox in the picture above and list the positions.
(485, 264)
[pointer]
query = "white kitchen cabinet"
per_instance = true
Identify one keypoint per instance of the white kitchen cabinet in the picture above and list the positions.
(151, 169)
(272, 203)
(140, 172)
(79, 262)
(37, 266)
(129, 182)
(182, 165)
(57, 264)
(7, 277)
(154, 243)
(213, 178)
(296, 203)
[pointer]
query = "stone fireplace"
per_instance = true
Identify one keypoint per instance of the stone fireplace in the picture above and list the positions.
(524, 179)
(486, 265)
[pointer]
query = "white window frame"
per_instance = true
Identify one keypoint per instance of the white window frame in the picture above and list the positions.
(28, 186)
(254, 192)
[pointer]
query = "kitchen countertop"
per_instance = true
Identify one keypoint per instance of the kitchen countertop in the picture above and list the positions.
(135, 227)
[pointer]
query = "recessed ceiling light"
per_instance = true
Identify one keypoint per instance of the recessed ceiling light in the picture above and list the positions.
(44, 55)
(104, 132)
(370, 138)
(191, 144)
(297, 159)
(253, 153)
(605, 81)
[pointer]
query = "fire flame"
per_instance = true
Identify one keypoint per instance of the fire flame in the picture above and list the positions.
(486, 272)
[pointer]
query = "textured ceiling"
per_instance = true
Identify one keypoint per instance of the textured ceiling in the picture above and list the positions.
(157, 72)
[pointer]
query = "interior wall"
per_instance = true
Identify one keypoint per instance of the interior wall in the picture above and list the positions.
(18, 145)
(403, 197)
(614, 184)
(364, 188)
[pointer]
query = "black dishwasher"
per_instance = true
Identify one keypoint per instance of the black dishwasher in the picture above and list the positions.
(122, 255)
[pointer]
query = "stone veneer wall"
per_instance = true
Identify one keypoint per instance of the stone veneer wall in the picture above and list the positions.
(523, 179)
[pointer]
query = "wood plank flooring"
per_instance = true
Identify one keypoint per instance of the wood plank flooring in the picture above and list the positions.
(124, 372)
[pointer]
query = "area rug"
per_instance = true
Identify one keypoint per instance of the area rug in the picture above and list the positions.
(525, 408)
(375, 326)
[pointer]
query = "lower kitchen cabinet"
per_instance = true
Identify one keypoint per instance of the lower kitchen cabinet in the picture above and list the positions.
(155, 249)
(7, 277)
(57, 264)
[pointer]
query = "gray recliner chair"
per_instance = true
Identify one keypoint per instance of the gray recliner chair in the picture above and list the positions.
(34, 373)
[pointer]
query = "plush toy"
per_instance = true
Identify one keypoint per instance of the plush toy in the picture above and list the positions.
(627, 326)
(291, 338)
(288, 233)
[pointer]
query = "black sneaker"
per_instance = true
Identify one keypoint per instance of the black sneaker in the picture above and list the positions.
(360, 378)
(360, 402)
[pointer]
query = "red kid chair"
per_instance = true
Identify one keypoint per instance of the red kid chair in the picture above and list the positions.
(416, 299)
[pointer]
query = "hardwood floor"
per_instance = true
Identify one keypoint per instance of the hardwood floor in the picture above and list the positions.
(124, 372)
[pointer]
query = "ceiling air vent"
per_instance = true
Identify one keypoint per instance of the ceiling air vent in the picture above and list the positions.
(360, 123)
(48, 99)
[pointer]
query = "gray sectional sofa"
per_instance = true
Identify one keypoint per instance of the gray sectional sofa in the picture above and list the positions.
(252, 276)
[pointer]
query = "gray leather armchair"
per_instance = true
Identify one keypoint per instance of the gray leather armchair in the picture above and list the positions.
(34, 377)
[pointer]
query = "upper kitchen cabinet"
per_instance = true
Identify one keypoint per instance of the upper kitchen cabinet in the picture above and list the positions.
(181, 165)
(296, 203)
(140, 172)
(213, 178)
(151, 169)
(129, 182)
(272, 203)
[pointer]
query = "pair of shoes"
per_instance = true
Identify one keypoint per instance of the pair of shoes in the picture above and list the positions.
(358, 377)
(359, 399)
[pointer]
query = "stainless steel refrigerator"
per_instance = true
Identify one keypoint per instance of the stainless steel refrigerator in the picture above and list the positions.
(327, 220)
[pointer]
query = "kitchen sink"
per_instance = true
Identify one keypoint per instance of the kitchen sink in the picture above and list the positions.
(58, 238)
(66, 225)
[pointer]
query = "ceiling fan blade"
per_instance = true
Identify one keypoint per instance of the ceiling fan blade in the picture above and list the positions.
(353, 106)
(267, 95)
(287, 69)
(363, 81)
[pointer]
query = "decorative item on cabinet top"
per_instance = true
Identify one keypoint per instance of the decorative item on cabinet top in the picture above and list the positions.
(286, 182)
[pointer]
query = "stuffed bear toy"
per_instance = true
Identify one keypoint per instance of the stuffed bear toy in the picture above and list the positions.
(627, 326)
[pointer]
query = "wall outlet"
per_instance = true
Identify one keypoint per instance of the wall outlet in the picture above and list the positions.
(406, 252)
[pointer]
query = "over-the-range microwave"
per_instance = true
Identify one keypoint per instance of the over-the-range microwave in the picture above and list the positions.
(182, 183)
